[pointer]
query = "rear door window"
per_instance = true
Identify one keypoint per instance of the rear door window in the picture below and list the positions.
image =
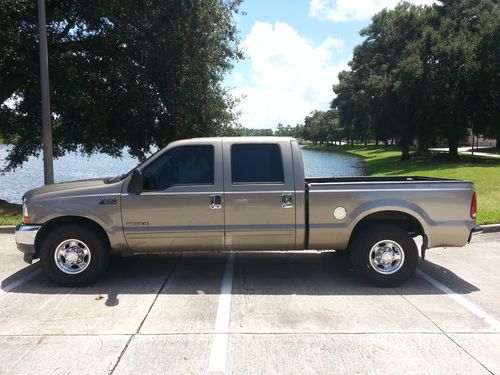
(256, 163)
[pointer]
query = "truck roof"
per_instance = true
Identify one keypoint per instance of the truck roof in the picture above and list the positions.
(245, 139)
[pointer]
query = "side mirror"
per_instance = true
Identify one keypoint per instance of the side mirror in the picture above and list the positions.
(135, 184)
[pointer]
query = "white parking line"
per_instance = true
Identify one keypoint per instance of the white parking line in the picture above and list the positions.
(218, 352)
(6, 289)
(481, 314)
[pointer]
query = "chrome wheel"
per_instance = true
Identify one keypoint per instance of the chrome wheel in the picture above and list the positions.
(72, 256)
(387, 257)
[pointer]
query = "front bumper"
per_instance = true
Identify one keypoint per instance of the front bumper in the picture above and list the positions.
(25, 240)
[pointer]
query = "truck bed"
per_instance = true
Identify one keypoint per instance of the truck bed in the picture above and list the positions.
(315, 180)
(335, 205)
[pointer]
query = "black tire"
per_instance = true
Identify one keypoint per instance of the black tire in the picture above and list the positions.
(366, 240)
(98, 255)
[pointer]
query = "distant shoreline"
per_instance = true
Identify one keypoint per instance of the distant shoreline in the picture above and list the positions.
(10, 213)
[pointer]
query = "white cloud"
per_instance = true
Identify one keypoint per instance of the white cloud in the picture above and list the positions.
(237, 79)
(350, 10)
(290, 75)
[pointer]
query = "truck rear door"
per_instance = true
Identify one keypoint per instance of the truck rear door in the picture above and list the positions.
(259, 195)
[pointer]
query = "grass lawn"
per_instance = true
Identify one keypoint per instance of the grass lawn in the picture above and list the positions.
(10, 213)
(485, 173)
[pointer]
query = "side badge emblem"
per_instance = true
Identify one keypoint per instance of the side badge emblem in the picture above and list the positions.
(339, 213)
(107, 201)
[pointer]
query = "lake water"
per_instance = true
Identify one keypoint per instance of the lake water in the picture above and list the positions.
(76, 167)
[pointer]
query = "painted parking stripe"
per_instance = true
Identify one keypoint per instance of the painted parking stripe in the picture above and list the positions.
(481, 314)
(13, 285)
(218, 352)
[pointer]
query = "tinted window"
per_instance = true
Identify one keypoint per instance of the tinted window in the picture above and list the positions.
(184, 165)
(256, 163)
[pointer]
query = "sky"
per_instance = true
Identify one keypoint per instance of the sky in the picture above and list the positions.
(294, 50)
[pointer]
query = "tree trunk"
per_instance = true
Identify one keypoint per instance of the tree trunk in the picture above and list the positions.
(453, 147)
(405, 149)
(420, 146)
(376, 142)
(498, 140)
(366, 142)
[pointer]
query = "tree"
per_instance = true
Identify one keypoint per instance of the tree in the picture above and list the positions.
(483, 89)
(289, 131)
(452, 68)
(352, 107)
(315, 128)
(123, 73)
(282, 131)
(320, 127)
(391, 70)
(254, 132)
(424, 72)
(378, 94)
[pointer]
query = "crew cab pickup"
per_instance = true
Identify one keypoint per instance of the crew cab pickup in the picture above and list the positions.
(241, 193)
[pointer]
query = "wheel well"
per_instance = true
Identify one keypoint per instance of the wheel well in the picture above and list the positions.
(399, 219)
(66, 220)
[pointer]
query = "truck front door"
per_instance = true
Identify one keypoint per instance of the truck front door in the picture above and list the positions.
(180, 207)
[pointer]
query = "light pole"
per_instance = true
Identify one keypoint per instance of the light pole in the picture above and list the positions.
(48, 162)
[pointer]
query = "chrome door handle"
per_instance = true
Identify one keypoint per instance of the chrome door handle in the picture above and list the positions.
(215, 202)
(286, 200)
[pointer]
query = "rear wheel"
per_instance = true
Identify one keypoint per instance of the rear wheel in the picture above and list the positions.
(384, 255)
(74, 255)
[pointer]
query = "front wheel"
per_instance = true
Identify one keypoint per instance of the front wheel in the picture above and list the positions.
(384, 255)
(74, 255)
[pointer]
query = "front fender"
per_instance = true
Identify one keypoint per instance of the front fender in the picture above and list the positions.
(107, 216)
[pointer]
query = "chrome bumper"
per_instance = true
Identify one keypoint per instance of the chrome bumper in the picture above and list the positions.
(25, 240)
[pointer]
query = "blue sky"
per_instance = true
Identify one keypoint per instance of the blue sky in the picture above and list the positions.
(294, 51)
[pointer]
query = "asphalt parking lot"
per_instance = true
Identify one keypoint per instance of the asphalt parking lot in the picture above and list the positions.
(254, 313)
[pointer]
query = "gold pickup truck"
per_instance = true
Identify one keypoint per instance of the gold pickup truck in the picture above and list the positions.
(248, 193)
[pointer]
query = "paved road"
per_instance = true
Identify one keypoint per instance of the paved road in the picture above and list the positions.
(278, 313)
(466, 150)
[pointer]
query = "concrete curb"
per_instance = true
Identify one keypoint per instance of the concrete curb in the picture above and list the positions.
(10, 229)
(490, 228)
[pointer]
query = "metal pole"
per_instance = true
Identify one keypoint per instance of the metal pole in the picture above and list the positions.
(48, 163)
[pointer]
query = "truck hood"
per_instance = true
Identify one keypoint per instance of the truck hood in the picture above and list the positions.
(72, 188)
